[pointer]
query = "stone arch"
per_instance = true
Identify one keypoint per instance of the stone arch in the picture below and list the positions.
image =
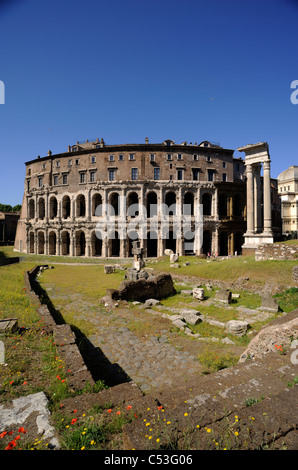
(65, 243)
(31, 242)
(40, 242)
(41, 208)
(132, 204)
(96, 205)
(189, 242)
(207, 242)
(96, 244)
(222, 205)
(170, 202)
(171, 241)
(80, 243)
(151, 206)
(223, 244)
(81, 205)
(152, 241)
(114, 203)
(66, 205)
(52, 243)
(114, 244)
(53, 207)
(188, 203)
(31, 209)
(207, 203)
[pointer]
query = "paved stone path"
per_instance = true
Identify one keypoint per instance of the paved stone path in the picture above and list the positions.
(153, 363)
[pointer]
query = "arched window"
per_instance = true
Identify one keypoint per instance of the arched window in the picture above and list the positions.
(41, 208)
(81, 205)
(53, 207)
(170, 201)
(133, 204)
(31, 209)
(188, 204)
(97, 205)
(66, 207)
(206, 201)
(151, 204)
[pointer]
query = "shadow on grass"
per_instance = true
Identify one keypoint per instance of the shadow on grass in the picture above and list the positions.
(96, 361)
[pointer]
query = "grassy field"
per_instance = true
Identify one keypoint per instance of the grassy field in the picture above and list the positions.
(31, 359)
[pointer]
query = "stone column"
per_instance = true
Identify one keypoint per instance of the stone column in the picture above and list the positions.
(250, 200)
(257, 198)
(267, 198)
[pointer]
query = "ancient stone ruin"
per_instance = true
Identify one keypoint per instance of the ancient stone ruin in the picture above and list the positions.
(154, 287)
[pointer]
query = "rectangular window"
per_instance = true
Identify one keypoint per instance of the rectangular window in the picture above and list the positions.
(55, 180)
(131, 156)
(179, 175)
(152, 157)
(208, 158)
(134, 173)
(40, 180)
(156, 173)
(195, 174)
(111, 175)
(237, 166)
(43, 166)
(93, 159)
(28, 185)
(224, 164)
(121, 157)
(65, 179)
(210, 175)
(195, 157)
(57, 164)
(92, 176)
(169, 156)
(111, 158)
(82, 177)
(224, 177)
(69, 162)
(77, 161)
(179, 156)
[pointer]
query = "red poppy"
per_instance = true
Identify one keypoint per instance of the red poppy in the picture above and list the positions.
(22, 429)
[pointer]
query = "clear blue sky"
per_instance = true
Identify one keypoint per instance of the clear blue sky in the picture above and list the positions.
(128, 69)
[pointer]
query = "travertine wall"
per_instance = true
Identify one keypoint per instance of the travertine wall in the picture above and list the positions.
(62, 193)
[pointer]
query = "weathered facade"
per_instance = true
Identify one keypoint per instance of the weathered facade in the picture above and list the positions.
(69, 195)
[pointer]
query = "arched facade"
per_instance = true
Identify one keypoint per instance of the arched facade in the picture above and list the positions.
(158, 192)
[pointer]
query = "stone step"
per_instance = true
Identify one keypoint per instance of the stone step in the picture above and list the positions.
(217, 398)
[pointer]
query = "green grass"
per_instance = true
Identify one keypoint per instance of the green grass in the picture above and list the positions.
(288, 300)
(14, 303)
(259, 273)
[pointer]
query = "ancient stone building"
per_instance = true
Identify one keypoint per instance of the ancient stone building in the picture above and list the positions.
(71, 198)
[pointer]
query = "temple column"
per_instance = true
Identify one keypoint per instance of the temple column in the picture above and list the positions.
(267, 198)
(257, 198)
(250, 200)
